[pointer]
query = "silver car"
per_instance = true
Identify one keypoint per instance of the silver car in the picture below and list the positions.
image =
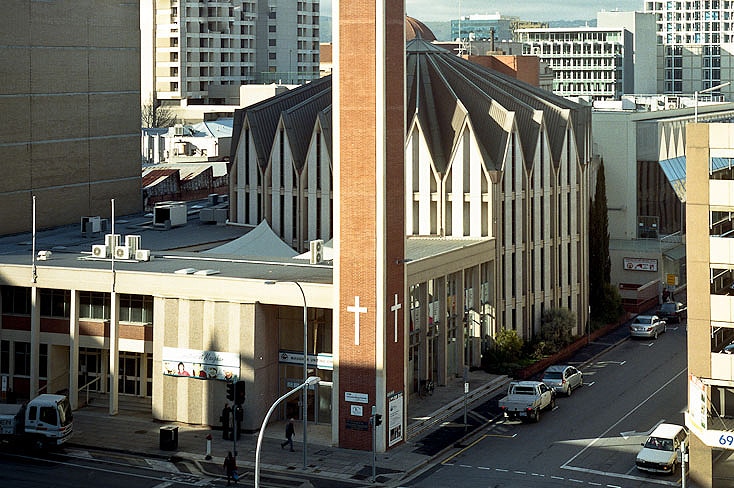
(647, 326)
(563, 379)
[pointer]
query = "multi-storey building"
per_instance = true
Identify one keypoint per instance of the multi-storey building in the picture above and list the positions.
(709, 190)
(603, 63)
(193, 46)
(696, 39)
(482, 26)
(71, 118)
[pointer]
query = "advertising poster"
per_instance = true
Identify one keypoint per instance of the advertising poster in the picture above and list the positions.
(205, 365)
(395, 419)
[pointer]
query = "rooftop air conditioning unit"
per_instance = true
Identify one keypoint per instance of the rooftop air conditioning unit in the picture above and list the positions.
(175, 213)
(100, 251)
(317, 251)
(122, 252)
(142, 255)
(133, 242)
(112, 241)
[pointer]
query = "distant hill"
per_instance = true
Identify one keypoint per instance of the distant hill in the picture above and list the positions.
(442, 29)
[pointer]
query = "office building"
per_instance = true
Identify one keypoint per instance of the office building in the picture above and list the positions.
(696, 39)
(199, 52)
(709, 204)
(615, 58)
(71, 114)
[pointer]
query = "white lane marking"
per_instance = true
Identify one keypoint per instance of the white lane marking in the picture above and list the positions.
(465, 466)
(484, 467)
(520, 472)
(574, 480)
(501, 470)
(623, 476)
(639, 405)
(631, 433)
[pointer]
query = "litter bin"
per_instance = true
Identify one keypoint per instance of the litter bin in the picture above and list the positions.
(169, 438)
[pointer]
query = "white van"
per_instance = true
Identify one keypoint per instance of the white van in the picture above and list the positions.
(661, 452)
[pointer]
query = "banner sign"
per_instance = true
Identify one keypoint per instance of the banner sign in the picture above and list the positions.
(320, 361)
(640, 264)
(205, 365)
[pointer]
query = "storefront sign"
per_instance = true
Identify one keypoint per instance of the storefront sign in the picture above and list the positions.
(352, 397)
(205, 365)
(395, 418)
(640, 264)
(320, 361)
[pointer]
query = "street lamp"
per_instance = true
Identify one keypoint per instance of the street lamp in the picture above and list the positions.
(304, 394)
(311, 380)
(695, 98)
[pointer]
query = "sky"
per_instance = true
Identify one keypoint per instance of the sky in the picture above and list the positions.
(542, 10)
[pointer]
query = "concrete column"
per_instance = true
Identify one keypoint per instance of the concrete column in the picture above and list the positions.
(700, 463)
(74, 350)
(114, 353)
(35, 339)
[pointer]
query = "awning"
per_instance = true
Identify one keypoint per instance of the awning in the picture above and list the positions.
(675, 171)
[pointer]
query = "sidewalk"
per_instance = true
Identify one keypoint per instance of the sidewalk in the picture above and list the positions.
(133, 431)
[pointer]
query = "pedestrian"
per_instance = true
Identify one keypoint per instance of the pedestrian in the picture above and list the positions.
(290, 431)
(230, 468)
(225, 420)
(239, 416)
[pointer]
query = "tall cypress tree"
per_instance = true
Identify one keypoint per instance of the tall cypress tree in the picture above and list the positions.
(600, 265)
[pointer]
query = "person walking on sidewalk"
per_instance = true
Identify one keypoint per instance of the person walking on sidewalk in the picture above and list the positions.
(290, 431)
(230, 467)
(225, 420)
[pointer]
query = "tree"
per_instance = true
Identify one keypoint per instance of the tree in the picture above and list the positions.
(557, 325)
(604, 299)
(156, 116)
(600, 265)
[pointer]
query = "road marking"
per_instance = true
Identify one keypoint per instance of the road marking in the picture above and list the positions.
(446, 461)
(639, 405)
(504, 436)
(590, 384)
(484, 467)
(574, 480)
(623, 476)
(502, 470)
(465, 466)
(631, 433)
(520, 472)
(557, 478)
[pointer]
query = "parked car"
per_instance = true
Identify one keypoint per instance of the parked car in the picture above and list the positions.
(728, 349)
(672, 311)
(647, 326)
(563, 378)
(525, 400)
(661, 452)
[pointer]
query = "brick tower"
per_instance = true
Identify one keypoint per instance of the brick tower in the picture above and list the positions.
(369, 227)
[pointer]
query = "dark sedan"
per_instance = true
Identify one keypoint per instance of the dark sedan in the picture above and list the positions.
(672, 312)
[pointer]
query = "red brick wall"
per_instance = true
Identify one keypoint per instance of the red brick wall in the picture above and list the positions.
(360, 234)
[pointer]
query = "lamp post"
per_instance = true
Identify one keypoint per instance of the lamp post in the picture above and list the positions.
(311, 380)
(304, 394)
(695, 97)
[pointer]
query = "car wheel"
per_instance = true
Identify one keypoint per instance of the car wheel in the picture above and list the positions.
(536, 416)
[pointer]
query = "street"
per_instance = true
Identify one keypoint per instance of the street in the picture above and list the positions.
(80, 468)
(590, 438)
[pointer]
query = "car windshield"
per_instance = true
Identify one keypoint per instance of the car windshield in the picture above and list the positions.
(552, 375)
(643, 320)
(659, 444)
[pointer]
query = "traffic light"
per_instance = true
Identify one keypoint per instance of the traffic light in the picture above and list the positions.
(239, 393)
(378, 419)
(230, 391)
